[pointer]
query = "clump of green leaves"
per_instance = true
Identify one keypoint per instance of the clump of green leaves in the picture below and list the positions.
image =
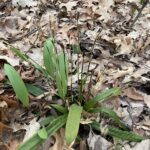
(56, 68)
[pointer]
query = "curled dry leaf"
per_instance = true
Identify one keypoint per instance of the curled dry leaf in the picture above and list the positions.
(12, 61)
(133, 94)
(11, 102)
(69, 5)
(31, 129)
(145, 145)
(59, 141)
(147, 99)
(28, 75)
(137, 95)
(5, 133)
(3, 104)
(125, 44)
(24, 3)
(96, 142)
(13, 145)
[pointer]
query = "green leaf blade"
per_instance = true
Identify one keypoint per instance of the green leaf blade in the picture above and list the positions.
(124, 135)
(76, 48)
(59, 85)
(49, 57)
(110, 113)
(63, 73)
(102, 97)
(107, 94)
(73, 121)
(53, 127)
(26, 58)
(20, 54)
(34, 90)
(42, 133)
(117, 133)
(60, 108)
(17, 84)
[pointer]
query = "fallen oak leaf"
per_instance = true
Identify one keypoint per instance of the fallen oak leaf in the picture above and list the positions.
(11, 102)
(16, 139)
(59, 140)
(137, 95)
(13, 145)
(3, 104)
(3, 146)
(147, 99)
(132, 93)
(5, 133)
(12, 61)
(3, 115)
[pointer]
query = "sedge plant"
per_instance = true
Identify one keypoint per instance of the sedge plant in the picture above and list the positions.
(70, 113)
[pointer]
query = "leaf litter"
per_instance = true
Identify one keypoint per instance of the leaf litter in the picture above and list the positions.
(121, 54)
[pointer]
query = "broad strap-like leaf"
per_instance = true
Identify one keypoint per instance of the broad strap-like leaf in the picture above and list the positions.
(17, 84)
(102, 97)
(62, 75)
(20, 54)
(76, 48)
(110, 113)
(57, 67)
(42, 133)
(34, 90)
(60, 108)
(49, 56)
(59, 85)
(73, 122)
(117, 133)
(46, 121)
(26, 58)
(51, 129)
(124, 135)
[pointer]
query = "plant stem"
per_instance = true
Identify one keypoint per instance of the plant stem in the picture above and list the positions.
(90, 59)
(81, 84)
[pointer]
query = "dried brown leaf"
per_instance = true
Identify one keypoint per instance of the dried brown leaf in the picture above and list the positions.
(133, 94)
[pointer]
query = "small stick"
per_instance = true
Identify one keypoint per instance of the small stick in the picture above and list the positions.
(71, 70)
(139, 13)
(27, 34)
(90, 83)
(81, 85)
(90, 59)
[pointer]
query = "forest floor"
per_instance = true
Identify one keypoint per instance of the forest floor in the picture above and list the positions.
(117, 35)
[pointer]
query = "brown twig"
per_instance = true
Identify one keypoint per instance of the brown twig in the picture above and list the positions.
(27, 34)
(90, 59)
(139, 13)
